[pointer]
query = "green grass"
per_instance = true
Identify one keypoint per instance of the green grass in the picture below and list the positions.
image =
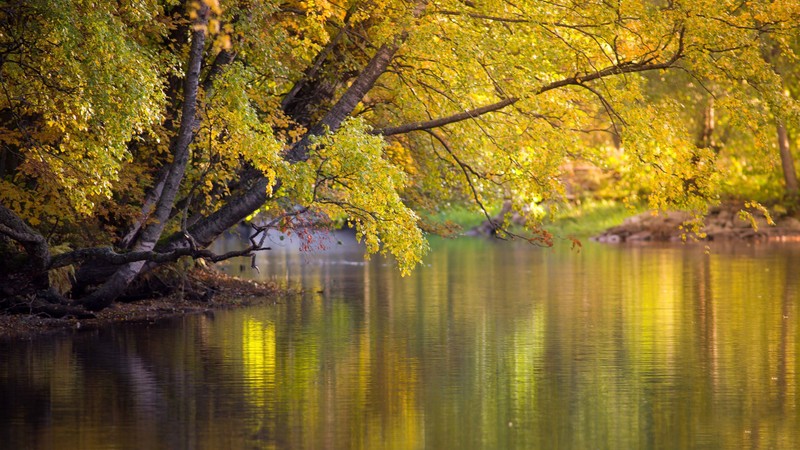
(465, 217)
(589, 218)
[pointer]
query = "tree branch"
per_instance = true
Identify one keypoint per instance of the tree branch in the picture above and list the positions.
(34, 243)
(107, 255)
(617, 69)
(436, 123)
(466, 169)
(577, 80)
(483, 17)
(347, 103)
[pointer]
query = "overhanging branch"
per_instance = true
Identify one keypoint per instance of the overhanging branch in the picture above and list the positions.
(436, 123)
(109, 256)
(576, 80)
(486, 17)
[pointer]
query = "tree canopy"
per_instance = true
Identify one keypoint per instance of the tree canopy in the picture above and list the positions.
(136, 132)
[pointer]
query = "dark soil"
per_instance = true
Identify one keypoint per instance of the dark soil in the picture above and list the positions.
(195, 296)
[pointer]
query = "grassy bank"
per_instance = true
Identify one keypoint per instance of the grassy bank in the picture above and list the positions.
(581, 220)
(589, 218)
(457, 217)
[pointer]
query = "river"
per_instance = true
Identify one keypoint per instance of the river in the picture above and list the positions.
(488, 345)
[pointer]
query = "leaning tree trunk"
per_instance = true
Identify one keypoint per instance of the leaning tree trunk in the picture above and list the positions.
(348, 102)
(178, 37)
(205, 231)
(237, 208)
(150, 234)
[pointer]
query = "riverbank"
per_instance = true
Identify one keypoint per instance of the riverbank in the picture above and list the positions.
(721, 223)
(607, 222)
(581, 220)
(614, 223)
(204, 290)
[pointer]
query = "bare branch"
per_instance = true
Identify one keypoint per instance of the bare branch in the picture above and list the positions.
(466, 169)
(109, 256)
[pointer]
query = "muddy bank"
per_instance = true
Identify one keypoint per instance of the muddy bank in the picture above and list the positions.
(195, 298)
(720, 224)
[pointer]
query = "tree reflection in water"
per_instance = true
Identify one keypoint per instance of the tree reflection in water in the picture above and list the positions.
(487, 346)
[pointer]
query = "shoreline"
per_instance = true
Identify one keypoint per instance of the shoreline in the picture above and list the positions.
(721, 224)
(230, 292)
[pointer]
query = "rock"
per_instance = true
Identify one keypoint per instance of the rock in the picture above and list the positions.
(715, 233)
(747, 234)
(641, 236)
(722, 222)
(609, 238)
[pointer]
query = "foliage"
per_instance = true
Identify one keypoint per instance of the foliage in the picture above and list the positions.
(347, 177)
(154, 125)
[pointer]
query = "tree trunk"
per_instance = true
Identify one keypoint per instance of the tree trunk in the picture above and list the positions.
(347, 103)
(147, 208)
(787, 162)
(35, 245)
(238, 207)
(706, 138)
(150, 234)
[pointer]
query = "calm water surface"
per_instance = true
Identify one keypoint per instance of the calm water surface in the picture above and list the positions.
(488, 345)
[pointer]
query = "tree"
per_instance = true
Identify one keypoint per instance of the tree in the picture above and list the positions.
(780, 53)
(136, 133)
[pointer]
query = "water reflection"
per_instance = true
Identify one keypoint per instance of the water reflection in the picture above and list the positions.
(487, 346)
